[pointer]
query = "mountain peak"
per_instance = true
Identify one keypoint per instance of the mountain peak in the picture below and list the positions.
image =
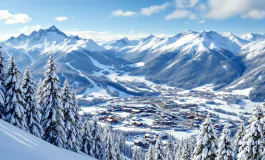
(253, 37)
(189, 32)
(148, 38)
(53, 28)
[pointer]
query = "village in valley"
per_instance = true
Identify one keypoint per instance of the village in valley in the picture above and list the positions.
(176, 112)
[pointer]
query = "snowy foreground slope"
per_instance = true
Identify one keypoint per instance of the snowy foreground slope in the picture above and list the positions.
(18, 144)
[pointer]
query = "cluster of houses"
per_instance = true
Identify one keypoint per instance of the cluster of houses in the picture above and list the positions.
(132, 108)
(107, 117)
(149, 139)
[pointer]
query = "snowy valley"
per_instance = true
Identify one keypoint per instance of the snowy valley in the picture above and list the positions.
(132, 95)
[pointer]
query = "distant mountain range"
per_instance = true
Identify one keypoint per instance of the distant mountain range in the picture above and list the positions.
(188, 59)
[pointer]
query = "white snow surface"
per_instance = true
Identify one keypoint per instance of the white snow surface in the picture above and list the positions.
(18, 144)
(188, 41)
(51, 40)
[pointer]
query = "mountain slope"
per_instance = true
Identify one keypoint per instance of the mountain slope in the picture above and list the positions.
(190, 59)
(253, 57)
(84, 55)
(18, 144)
(182, 42)
(253, 37)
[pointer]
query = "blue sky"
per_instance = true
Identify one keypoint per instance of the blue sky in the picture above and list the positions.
(104, 20)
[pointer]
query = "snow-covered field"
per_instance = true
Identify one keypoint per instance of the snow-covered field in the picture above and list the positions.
(18, 144)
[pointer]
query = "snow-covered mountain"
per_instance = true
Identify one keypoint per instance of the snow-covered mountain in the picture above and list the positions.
(188, 40)
(82, 61)
(51, 40)
(253, 58)
(119, 44)
(253, 37)
(18, 144)
(192, 58)
(187, 60)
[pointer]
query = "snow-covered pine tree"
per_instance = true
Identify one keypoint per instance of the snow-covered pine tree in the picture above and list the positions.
(33, 115)
(179, 150)
(14, 101)
(105, 138)
(169, 149)
(191, 142)
(107, 145)
(159, 149)
(186, 154)
(121, 141)
(2, 84)
(176, 151)
(39, 92)
(206, 145)
(135, 155)
(78, 122)
(96, 147)
(86, 139)
(116, 152)
(225, 148)
(238, 142)
(254, 144)
(52, 108)
(149, 154)
(69, 117)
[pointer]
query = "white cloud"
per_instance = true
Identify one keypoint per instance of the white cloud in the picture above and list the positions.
(29, 29)
(192, 16)
(13, 18)
(201, 7)
(60, 19)
(120, 12)
(4, 37)
(201, 21)
(255, 14)
(186, 3)
(223, 9)
(193, 2)
(154, 9)
(219, 9)
(177, 14)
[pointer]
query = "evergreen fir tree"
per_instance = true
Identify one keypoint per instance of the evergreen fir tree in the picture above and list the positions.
(108, 154)
(121, 141)
(169, 149)
(96, 140)
(39, 92)
(176, 147)
(106, 143)
(116, 152)
(69, 115)
(52, 109)
(33, 115)
(149, 154)
(225, 149)
(14, 100)
(206, 145)
(179, 150)
(239, 139)
(253, 145)
(186, 154)
(159, 149)
(78, 122)
(86, 139)
(135, 155)
(2, 85)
